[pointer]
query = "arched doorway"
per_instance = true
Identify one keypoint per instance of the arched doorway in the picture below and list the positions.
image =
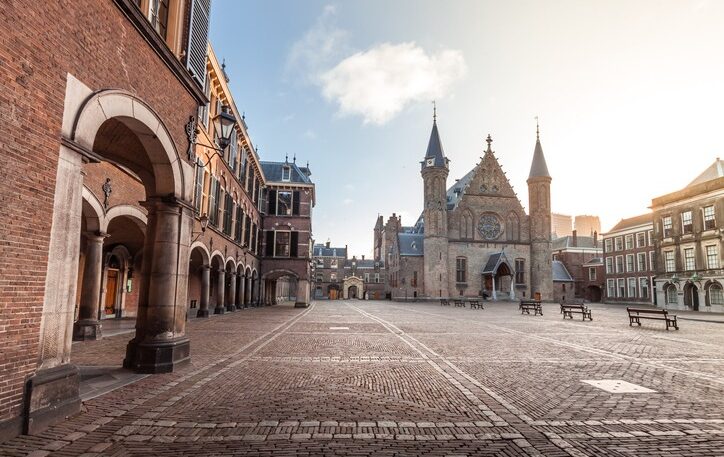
(691, 296)
(353, 287)
(352, 291)
(333, 291)
(239, 286)
(199, 286)
(279, 285)
(594, 294)
(230, 286)
(498, 277)
(670, 295)
(123, 251)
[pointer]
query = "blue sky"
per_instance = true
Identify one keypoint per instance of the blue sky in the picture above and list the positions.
(630, 97)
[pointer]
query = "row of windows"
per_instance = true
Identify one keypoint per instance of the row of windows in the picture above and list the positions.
(632, 262)
(711, 259)
(714, 295)
(333, 277)
(461, 270)
(619, 243)
(708, 221)
(628, 288)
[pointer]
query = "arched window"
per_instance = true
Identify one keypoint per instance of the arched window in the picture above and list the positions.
(461, 269)
(670, 292)
(512, 227)
(714, 294)
(466, 225)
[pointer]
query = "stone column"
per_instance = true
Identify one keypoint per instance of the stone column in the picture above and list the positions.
(231, 299)
(302, 294)
(220, 286)
(87, 327)
(160, 344)
(205, 286)
(495, 293)
(239, 301)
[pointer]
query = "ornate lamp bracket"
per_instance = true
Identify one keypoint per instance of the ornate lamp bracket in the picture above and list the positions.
(191, 133)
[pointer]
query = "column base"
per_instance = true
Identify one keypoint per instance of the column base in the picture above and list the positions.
(87, 330)
(202, 313)
(219, 310)
(238, 306)
(51, 395)
(301, 305)
(231, 308)
(157, 356)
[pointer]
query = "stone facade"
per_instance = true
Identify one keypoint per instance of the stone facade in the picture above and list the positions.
(449, 250)
(688, 241)
(334, 273)
(581, 256)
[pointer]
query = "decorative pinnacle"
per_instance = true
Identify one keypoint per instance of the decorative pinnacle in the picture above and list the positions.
(434, 111)
(489, 140)
(537, 129)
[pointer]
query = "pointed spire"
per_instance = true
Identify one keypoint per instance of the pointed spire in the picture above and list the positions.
(434, 146)
(538, 168)
(295, 158)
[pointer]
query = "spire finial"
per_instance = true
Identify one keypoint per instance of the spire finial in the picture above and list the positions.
(489, 140)
(537, 129)
(295, 157)
(434, 111)
(286, 158)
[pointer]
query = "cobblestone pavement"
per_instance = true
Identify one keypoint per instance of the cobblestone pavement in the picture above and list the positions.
(381, 379)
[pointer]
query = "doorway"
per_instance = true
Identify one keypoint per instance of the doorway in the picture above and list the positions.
(111, 308)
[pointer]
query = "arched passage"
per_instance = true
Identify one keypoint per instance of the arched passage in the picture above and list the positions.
(217, 300)
(279, 286)
(199, 281)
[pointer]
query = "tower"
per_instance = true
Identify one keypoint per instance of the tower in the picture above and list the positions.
(434, 176)
(539, 201)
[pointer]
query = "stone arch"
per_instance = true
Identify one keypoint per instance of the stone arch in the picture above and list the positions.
(126, 112)
(130, 211)
(714, 293)
(206, 255)
(670, 294)
(93, 212)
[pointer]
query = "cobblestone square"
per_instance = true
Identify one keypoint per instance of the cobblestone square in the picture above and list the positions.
(387, 378)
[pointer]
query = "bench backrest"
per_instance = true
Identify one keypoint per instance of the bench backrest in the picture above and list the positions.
(646, 311)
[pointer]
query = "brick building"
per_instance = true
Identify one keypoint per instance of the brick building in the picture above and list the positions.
(464, 227)
(688, 239)
(336, 276)
(581, 256)
(628, 253)
(329, 264)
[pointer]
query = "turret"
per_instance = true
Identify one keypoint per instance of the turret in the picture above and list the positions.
(539, 202)
(435, 168)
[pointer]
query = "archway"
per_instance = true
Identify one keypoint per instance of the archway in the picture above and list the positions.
(230, 286)
(671, 295)
(691, 296)
(333, 291)
(217, 290)
(353, 287)
(239, 301)
(123, 249)
(247, 287)
(594, 294)
(714, 296)
(352, 292)
(279, 285)
(199, 285)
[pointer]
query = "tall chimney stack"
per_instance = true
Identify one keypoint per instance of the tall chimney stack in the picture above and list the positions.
(574, 242)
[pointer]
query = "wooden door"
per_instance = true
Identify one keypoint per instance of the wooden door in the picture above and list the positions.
(111, 291)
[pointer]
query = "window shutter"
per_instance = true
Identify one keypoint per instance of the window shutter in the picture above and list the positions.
(272, 202)
(198, 37)
(295, 203)
(212, 202)
(293, 249)
(270, 243)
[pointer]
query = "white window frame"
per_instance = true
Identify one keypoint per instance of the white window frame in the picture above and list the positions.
(611, 286)
(669, 261)
(644, 285)
(609, 265)
(704, 219)
(691, 222)
(650, 237)
(608, 245)
(629, 241)
(618, 243)
(591, 273)
(288, 170)
(640, 266)
(621, 288)
(689, 266)
(621, 264)
(652, 267)
(630, 263)
(632, 287)
(667, 221)
(709, 264)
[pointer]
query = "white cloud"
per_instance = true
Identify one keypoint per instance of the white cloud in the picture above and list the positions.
(349, 187)
(309, 134)
(378, 83)
(347, 201)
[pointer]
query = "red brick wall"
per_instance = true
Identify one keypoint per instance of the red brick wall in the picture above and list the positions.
(42, 42)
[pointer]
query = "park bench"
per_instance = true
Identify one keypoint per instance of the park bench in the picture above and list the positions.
(636, 314)
(476, 304)
(459, 303)
(444, 302)
(568, 308)
(527, 305)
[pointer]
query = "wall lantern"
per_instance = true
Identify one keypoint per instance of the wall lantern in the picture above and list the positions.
(224, 123)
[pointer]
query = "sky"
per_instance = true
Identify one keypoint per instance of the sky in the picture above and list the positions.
(629, 94)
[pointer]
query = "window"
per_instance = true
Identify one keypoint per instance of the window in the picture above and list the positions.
(669, 261)
(652, 265)
(199, 186)
(286, 173)
(611, 287)
(619, 243)
(159, 17)
(242, 167)
(641, 260)
(239, 224)
(281, 244)
(367, 277)
(608, 245)
(228, 212)
(204, 110)
(609, 265)
(716, 296)
(644, 287)
(640, 239)
(247, 232)
(619, 264)
(687, 225)
(213, 200)
(632, 287)
(629, 263)
(667, 224)
(670, 292)
(233, 151)
(592, 273)
(650, 236)
(621, 288)
(333, 277)
(520, 271)
(689, 261)
(461, 269)
(334, 264)
(377, 277)
(709, 220)
(712, 257)
(284, 206)
(629, 242)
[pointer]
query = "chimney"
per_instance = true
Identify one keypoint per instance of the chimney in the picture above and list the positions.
(595, 239)
(327, 244)
(574, 242)
(363, 256)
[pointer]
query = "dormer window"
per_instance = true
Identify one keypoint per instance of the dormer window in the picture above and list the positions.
(286, 173)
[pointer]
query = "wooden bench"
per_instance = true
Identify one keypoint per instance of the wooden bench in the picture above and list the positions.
(636, 314)
(476, 304)
(444, 302)
(459, 303)
(527, 305)
(568, 308)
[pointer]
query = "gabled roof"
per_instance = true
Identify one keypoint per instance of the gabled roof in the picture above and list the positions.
(560, 273)
(321, 250)
(273, 172)
(713, 171)
(411, 244)
(434, 148)
(455, 193)
(494, 262)
(539, 167)
(635, 221)
(567, 242)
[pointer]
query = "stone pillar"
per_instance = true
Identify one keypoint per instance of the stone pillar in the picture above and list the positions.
(160, 344)
(302, 294)
(512, 287)
(87, 327)
(220, 286)
(495, 294)
(231, 299)
(238, 302)
(205, 286)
